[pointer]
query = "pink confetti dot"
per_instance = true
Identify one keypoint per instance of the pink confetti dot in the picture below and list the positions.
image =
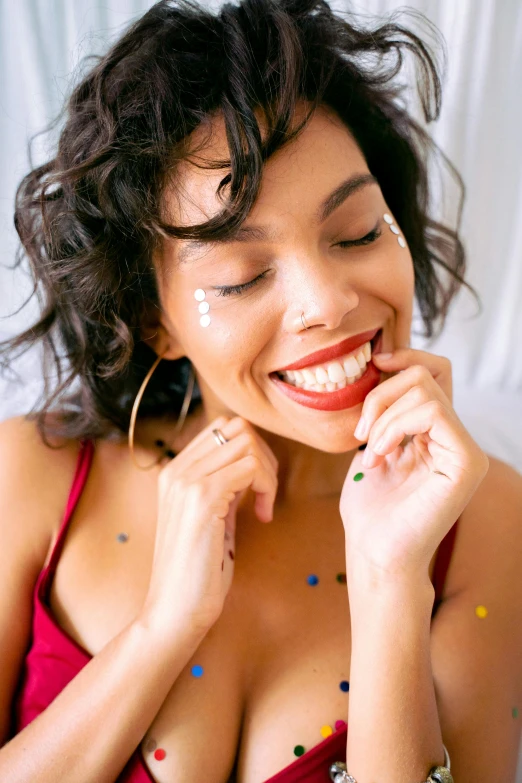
(160, 754)
(340, 724)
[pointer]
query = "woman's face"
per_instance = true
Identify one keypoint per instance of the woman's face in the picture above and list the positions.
(298, 266)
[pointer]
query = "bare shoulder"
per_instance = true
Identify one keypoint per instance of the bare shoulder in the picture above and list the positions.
(35, 479)
(488, 545)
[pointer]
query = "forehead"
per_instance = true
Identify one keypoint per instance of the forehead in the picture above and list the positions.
(324, 152)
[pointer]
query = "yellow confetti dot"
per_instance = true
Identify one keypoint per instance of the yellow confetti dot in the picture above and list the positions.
(326, 731)
(481, 611)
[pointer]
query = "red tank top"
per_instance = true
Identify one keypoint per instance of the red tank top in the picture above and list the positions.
(54, 659)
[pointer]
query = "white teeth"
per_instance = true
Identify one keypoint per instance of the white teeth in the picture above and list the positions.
(361, 360)
(334, 375)
(351, 366)
(321, 375)
(336, 372)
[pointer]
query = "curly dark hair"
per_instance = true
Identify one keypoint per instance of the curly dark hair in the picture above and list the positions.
(90, 219)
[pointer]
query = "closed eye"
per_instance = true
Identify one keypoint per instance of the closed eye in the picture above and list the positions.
(228, 290)
(366, 240)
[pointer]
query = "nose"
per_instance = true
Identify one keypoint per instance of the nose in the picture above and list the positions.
(321, 296)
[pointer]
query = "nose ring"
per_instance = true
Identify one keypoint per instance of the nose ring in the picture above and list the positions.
(303, 321)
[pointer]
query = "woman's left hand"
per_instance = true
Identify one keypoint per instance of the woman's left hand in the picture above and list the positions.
(411, 493)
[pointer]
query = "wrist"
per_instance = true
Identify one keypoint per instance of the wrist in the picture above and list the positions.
(366, 582)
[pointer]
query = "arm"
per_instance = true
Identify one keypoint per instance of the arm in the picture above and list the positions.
(412, 687)
(393, 725)
(89, 731)
(93, 726)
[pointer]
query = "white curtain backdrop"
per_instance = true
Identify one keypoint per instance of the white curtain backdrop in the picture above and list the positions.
(43, 41)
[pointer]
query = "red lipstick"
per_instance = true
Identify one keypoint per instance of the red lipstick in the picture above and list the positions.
(333, 352)
(341, 399)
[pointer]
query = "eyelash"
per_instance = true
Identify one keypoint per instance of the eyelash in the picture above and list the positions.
(229, 290)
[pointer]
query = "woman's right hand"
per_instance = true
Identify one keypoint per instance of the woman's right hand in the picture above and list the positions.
(198, 495)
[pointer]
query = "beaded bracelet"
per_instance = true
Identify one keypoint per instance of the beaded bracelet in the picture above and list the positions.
(339, 774)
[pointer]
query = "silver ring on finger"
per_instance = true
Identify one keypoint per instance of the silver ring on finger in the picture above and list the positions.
(219, 437)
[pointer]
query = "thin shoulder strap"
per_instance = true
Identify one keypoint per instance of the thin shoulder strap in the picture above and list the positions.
(442, 562)
(83, 465)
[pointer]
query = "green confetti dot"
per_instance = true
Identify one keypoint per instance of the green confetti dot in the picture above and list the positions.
(341, 578)
(358, 476)
(514, 712)
(298, 750)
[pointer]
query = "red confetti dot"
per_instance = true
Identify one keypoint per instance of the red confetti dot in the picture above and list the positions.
(340, 724)
(222, 564)
(231, 554)
(160, 754)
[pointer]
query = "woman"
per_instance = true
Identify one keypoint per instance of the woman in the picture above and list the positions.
(207, 575)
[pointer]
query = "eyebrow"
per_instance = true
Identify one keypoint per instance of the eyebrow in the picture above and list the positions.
(262, 234)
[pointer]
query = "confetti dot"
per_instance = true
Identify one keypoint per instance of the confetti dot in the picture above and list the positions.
(222, 564)
(151, 745)
(340, 724)
(514, 712)
(481, 611)
(312, 579)
(170, 454)
(199, 294)
(160, 754)
(388, 218)
(230, 554)
(159, 443)
(362, 447)
(299, 750)
(122, 537)
(204, 320)
(197, 671)
(344, 685)
(326, 731)
(341, 578)
(358, 476)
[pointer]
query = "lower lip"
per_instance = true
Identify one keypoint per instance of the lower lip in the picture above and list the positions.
(338, 400)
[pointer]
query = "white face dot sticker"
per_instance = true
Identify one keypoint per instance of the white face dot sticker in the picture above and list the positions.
(388, 218)
(394, 229)
(204, 307)
(401, 241)
(204, 320)
(199, 294)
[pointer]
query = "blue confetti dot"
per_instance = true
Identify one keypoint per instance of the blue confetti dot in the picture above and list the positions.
(344, 685)
(312, 579)
(197, 671)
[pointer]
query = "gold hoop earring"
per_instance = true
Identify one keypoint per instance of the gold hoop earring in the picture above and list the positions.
(181, 419)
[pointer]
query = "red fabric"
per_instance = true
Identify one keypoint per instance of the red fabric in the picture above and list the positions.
(54, 659)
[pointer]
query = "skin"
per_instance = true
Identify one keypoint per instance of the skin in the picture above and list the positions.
(280, 645)
(343, 291)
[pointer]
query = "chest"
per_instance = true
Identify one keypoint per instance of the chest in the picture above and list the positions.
(274, 662)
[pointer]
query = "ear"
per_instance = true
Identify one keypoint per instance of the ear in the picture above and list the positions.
(157, 332)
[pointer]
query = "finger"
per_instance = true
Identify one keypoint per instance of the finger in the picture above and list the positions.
(389, 391)
(439, 367)
(219, 457)
(414, 397)
(449, 440)
(244, 473)
(237, 425)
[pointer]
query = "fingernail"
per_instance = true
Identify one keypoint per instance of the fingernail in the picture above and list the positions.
(382, 355)
(360, 430)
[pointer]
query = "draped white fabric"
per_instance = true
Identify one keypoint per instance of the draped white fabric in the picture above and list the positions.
(42, 42)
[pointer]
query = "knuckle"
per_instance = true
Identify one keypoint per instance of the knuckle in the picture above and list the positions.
(419, 392)
(436, 407)
(420, 372)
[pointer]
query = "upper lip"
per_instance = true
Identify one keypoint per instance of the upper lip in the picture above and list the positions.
(333, 352)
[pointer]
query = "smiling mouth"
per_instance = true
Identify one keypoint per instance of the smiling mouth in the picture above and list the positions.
(333, 375)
